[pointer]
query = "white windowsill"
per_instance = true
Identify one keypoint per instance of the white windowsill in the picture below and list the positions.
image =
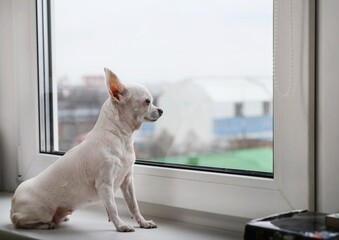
(91, 223)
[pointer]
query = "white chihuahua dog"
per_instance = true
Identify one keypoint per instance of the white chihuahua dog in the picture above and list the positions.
(94, 169)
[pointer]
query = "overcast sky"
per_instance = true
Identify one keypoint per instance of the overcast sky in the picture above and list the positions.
(162, 40)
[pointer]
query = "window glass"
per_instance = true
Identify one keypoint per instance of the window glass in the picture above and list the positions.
(208, 65)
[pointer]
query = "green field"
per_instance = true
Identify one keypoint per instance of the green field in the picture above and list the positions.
(253, 159)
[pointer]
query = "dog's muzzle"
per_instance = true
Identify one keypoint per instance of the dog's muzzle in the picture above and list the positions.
(154, 115)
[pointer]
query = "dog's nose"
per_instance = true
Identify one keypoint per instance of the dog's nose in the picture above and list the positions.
(160, 111)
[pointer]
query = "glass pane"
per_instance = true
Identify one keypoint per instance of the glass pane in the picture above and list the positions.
(208, 65)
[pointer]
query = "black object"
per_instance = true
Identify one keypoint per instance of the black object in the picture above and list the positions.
(296, 225)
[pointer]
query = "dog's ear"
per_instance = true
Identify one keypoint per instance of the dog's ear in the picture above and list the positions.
(116, 89)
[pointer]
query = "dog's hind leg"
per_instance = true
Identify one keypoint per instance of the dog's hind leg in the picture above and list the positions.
(38, 225)
(61, 215)
(23, 221)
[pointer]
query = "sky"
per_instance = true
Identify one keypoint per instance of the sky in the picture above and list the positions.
(155, 41)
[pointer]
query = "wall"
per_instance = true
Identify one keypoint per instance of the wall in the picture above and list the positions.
(183, 122)
(327, 107)
(8, 99)
(17, 69)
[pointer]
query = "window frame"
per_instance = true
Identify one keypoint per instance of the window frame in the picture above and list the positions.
(242, 196)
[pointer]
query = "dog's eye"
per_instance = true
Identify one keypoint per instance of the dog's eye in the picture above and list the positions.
(147, 101)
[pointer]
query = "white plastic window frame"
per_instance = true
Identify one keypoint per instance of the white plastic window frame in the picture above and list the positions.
(242, 196)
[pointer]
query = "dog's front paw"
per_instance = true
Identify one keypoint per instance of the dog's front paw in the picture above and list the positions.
(148, 224)
(125, 228)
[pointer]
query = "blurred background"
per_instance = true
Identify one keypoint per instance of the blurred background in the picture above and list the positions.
(208, 64)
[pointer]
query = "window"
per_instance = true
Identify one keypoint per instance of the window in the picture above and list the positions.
(238, 109)
(193, 56)
(266, 108)
(226, 194)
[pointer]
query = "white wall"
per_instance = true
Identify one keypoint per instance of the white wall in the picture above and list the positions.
(223, 110)
(17, 69)
(8, 99)
(253, 109)
(188, 110)
(328, 109)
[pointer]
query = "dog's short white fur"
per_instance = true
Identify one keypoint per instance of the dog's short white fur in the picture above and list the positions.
(94, 169)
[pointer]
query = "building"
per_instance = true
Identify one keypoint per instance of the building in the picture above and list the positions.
(210, 108)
